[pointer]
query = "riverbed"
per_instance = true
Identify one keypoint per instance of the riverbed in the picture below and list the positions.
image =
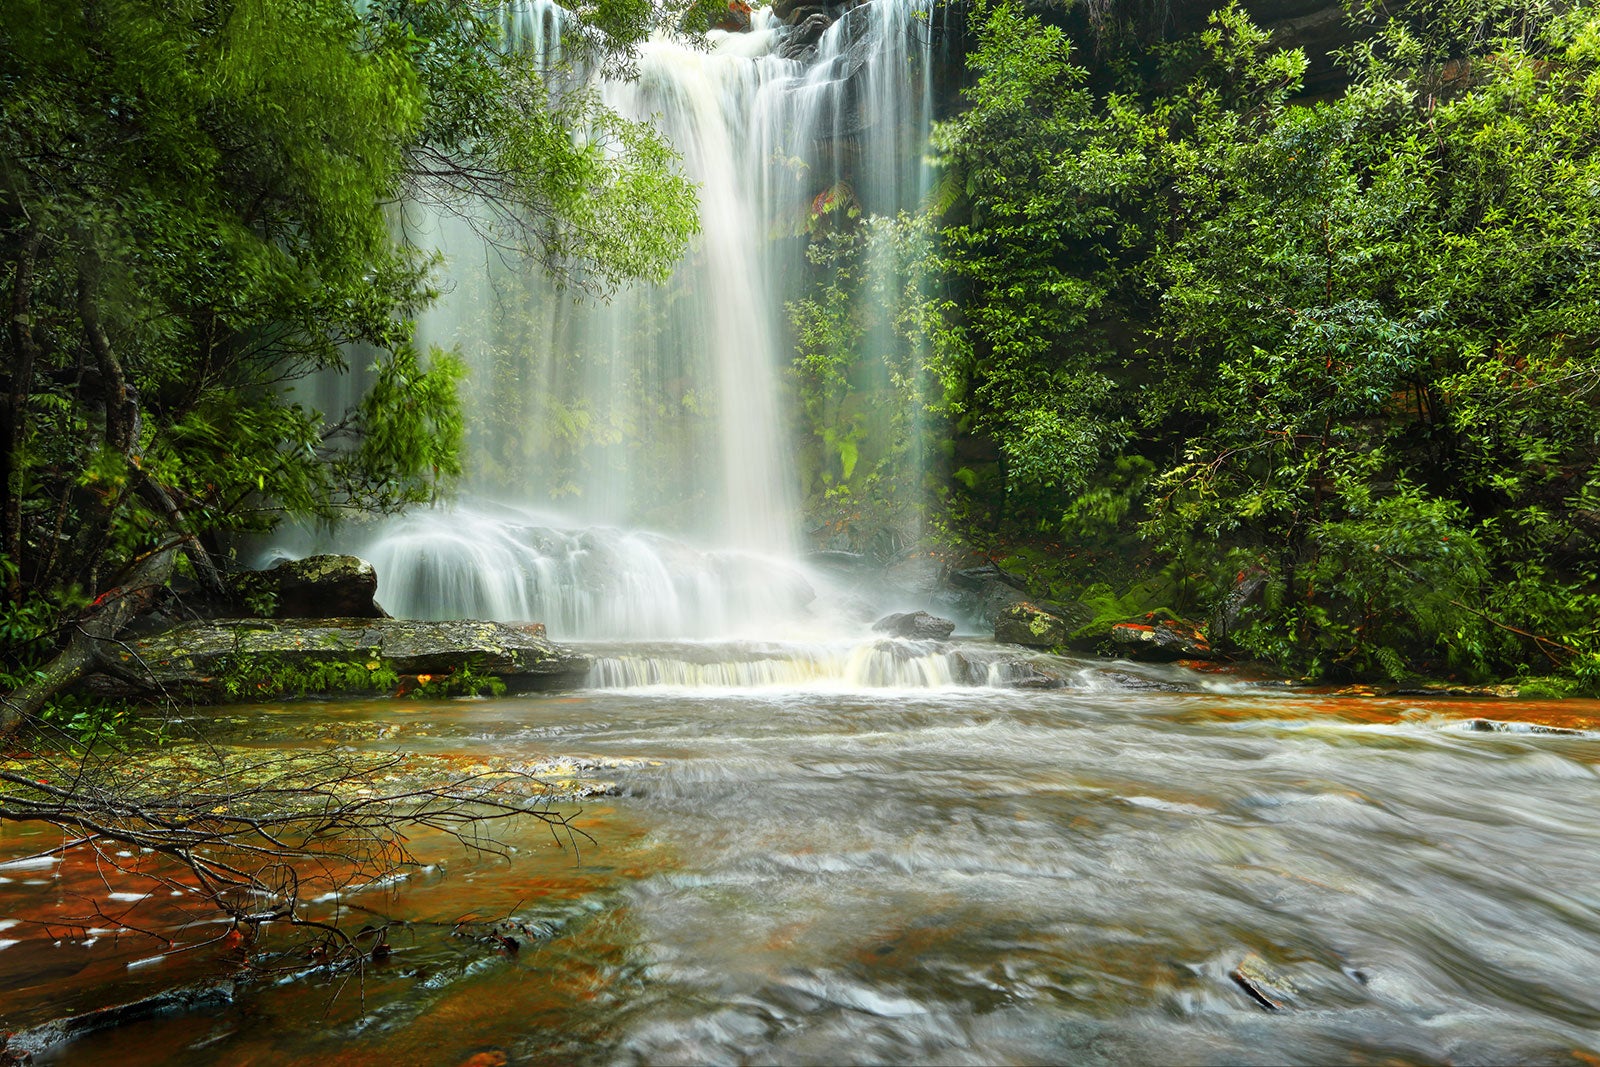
(968, 874)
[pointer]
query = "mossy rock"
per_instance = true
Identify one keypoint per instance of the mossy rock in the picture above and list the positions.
(1040, 623)
(213, 660)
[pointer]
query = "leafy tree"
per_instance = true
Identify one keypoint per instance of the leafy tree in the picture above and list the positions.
(1351, 340)
(1017, 340)
(196, 210)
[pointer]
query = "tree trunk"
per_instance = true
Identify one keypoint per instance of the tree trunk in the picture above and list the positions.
(204, 568)
(14, 416)
(111, 611)
(122, 429)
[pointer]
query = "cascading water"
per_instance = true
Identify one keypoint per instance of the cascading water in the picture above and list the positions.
(663, 408)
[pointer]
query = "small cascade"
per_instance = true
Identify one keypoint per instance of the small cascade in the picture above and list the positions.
(882, 663)
(874, 663)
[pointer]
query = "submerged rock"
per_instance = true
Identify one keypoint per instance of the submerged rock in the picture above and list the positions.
(918, 625)
(1268, 988)
(206, 660)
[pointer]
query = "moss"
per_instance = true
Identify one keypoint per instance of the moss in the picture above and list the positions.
(1545, 687)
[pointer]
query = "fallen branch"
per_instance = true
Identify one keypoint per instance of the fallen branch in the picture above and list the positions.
(259, 840)
(84, 653)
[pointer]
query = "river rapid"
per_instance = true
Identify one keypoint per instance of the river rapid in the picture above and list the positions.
(942, 875)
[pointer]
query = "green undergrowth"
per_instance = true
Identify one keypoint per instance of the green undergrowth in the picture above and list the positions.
(268, 676)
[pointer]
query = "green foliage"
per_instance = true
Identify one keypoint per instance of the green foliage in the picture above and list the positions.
(263, 677)
(531, 155)
(1350, 342)
(1110, 607)
(857, 371)
(197, 211)
(89, 722)
(1016, 345)
(266, 677)
(25, 637)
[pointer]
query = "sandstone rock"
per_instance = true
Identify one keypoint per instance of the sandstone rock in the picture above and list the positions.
(1154, 637)
(805, 35)
(986, 591)
(736, 19)
(914, 624)
(1040, 623)
(1020, 674)
(193, 660)
(317, 587)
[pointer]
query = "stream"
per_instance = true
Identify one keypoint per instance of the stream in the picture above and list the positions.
(833, 873)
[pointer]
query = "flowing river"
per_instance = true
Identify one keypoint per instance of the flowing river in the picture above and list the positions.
(844, 873)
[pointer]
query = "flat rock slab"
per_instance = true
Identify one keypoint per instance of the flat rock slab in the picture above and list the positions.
(190, 658)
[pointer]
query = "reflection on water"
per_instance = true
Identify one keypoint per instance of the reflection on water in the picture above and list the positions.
(968, 876)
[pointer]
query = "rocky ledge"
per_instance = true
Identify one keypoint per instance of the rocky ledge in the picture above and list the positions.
(241, 658)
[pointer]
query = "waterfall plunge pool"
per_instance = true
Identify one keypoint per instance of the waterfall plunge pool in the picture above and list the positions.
(943, 875)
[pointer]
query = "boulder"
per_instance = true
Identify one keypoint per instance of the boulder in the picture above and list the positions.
(1021, 674)
(914, 624)
(1160, 638)
(195, 660)
(317, 587)
(1040, 623)
(1246, 584)
(805, 35)
(736, 19)
(986, 591)
(983, 575)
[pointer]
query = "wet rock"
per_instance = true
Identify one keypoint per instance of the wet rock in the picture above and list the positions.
(1040, 623)
(194, 659)
(1020, 674)
(918, 625)
(1246, 584)
(1271, 990)
(24, 1046)
(839, 560)
(1441, 689)
(805, 35)
(1160, 639)
(986, 591)
(736, 19)
(1496, 726)
(982, 576)
(1125, 680)
(317, 587)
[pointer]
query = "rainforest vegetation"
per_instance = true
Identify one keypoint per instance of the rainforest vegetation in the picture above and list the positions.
(199, 207)
(1191, 325)
(1173, 321)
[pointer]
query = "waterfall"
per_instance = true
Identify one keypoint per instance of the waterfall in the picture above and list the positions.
(607, 437)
